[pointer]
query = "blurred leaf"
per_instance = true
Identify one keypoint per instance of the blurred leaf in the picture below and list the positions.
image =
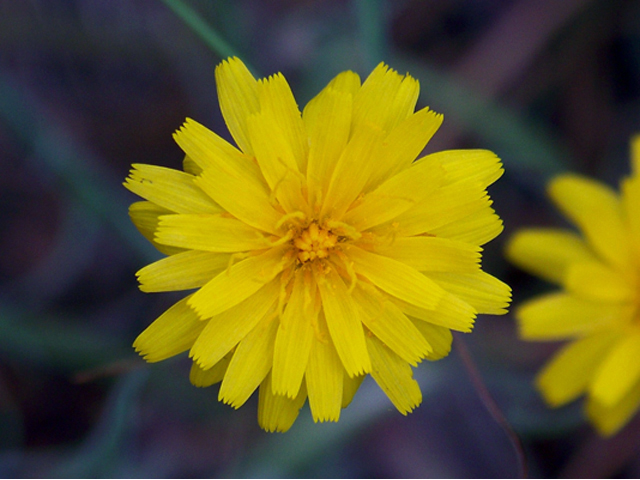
(77, 169)
(105, 452)
(288, 454)
(203, 30)
(372, 30)
(11, 421)
(55, 343)
(65, 260)
(522, 144)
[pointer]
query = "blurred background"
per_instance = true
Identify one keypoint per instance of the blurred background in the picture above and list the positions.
(88, 87)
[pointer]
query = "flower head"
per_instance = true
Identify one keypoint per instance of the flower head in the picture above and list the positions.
(320, 251)
(599, 306)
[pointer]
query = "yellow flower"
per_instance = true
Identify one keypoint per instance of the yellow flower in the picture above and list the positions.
(599, 307)
(320, 251)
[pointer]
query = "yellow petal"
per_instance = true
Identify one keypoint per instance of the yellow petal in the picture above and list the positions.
(328, 122)
(277, 100)
(351, 172)
(277, 161)
(343, 321)
(630, 189)
(349, 388)
(392, 327)
(218, 150)
(238, 97)
(447, 205)
(433, 254)
(228, 172)
(405, 99)
(394, 376)
(145, 216)
(317, 111)
(463, 196)
(397, 195)
(211, 233)
(547, 252)
(190, 166)
(482, 167)
(557, 316)
(226, 329)
(294, 339)
(170, 189)
(252, 207)
(272, 147)
(385, 99)
(205, 378)
(171, 333)
(478, 228)
(347, 82)
(183, 271)
(440, 339)
(609, 420)
(482, 291)
(403, 145)
(325, 378)
(451, 312)
(596, 210)
(276, 413)
(568, 374)
(238, 282)
(598, 282)
(618, 372)
(635, 154)
(250, 364)
(396, 278)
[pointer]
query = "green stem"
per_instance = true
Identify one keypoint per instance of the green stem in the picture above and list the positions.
(79, 172)
(203, 29)
(490, 404)
(369, 14)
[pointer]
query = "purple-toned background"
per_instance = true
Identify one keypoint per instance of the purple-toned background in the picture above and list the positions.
(88, 87)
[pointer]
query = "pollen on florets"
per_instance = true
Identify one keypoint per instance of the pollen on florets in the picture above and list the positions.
(314, 242)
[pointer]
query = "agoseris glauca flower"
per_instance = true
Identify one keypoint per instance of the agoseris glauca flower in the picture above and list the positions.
(598, 308)
(320, 250)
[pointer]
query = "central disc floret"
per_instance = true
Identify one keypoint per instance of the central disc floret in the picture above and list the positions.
(314, 242)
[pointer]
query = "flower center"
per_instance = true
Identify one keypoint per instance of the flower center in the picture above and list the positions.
(314, 242)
